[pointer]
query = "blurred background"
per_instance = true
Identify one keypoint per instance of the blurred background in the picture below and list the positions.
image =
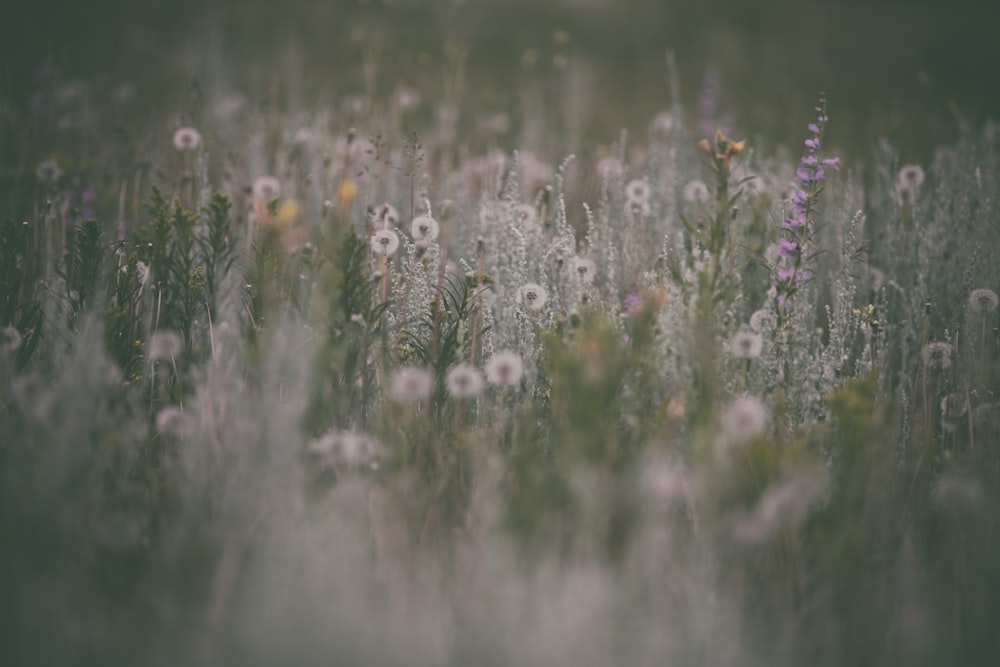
(906, 69)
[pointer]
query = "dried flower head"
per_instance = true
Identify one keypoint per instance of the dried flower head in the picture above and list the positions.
(385, 242)
(48, 172)
(911, 176)
(744, 419)
(464, 381)
(424, 228)
(983, 300)
(747, 345)
(164, 346)
(526, 216)
(266, 188)
(637, 190)
(10, 340)
(937, 356)
(187, 139)
(505, 368)
(533, 296)
(411, 384)
(584, 269)
(696, 192)
(343, 448)
(385, 216)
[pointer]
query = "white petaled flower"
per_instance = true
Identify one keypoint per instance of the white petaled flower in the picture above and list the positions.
(526, 216)
(385, 216)
(10, 339)
(266, 188)
(348, 448)
(505, 368)
(744, 419)
(584, 269)
(164, 346)
(48, 171)
(937, 356)
(464, 381)
(637, 190)
(424, 228)
(533, 295)
(747, 345)
(983, 300)
(187, 139)
(411, 384)
(696, 192)
(911, 176)
(762, 321)
(174, 421)
(385, 242)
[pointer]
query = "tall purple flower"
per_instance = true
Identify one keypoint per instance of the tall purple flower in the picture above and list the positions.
(794, 247)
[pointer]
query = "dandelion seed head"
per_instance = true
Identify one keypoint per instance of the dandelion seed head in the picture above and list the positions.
(48, 172)
(385, 242)
(906, 195)
(584, 269)
(386, 216)
(526, 216)
(696, 192)
(637, 190)
(937, 356)
(747, 345)
(10, 340)
(505, 368)
(533, 296)
(663, 122)
(411, 384)
(744, 419)
(343, 448)
(164, 346)
(763, 321)
(911, 176)
(983, 300)
(424, 228)
(638, 208)
(187, 139)
(464, 381)
(266, 188)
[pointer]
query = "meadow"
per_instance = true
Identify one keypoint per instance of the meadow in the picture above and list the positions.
(391, 377)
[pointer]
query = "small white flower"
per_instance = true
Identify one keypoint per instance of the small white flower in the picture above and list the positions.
(48, 171)
(505, 368)
(747, 345)
(526, 216)
(696, 192)
(464, 381)
(385, 242)
(637, 190)
(266, 188)
(164, 346)
(533, 295)
(424, 228)
(983, 300)
(584, 269)
(911, 176)
(411, 384)
(187, 139)
(744, 419)
(385, 216)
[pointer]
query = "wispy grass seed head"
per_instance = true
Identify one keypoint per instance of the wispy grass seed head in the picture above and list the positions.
(983, 300)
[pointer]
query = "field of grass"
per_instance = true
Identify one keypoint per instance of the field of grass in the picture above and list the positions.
(445, 353)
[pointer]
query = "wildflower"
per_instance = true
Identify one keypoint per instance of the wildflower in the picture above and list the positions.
(164, 345)
(983, 300)
(348, 448)
(763, 320)
(696, 192)
(744, 419)
(584, 269)
(747, 345)
(533, 295)
(632, 304)
(385, 242)
(174, 421)
(411, 384)
(187, 139)
(424, 227)
(48, 172)
(911, 176)
(464, 381)
(385, 216)
(505, 368)
(937, 356)
(266, 188)
(10, 339)
(526, 216)
(637, 190)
